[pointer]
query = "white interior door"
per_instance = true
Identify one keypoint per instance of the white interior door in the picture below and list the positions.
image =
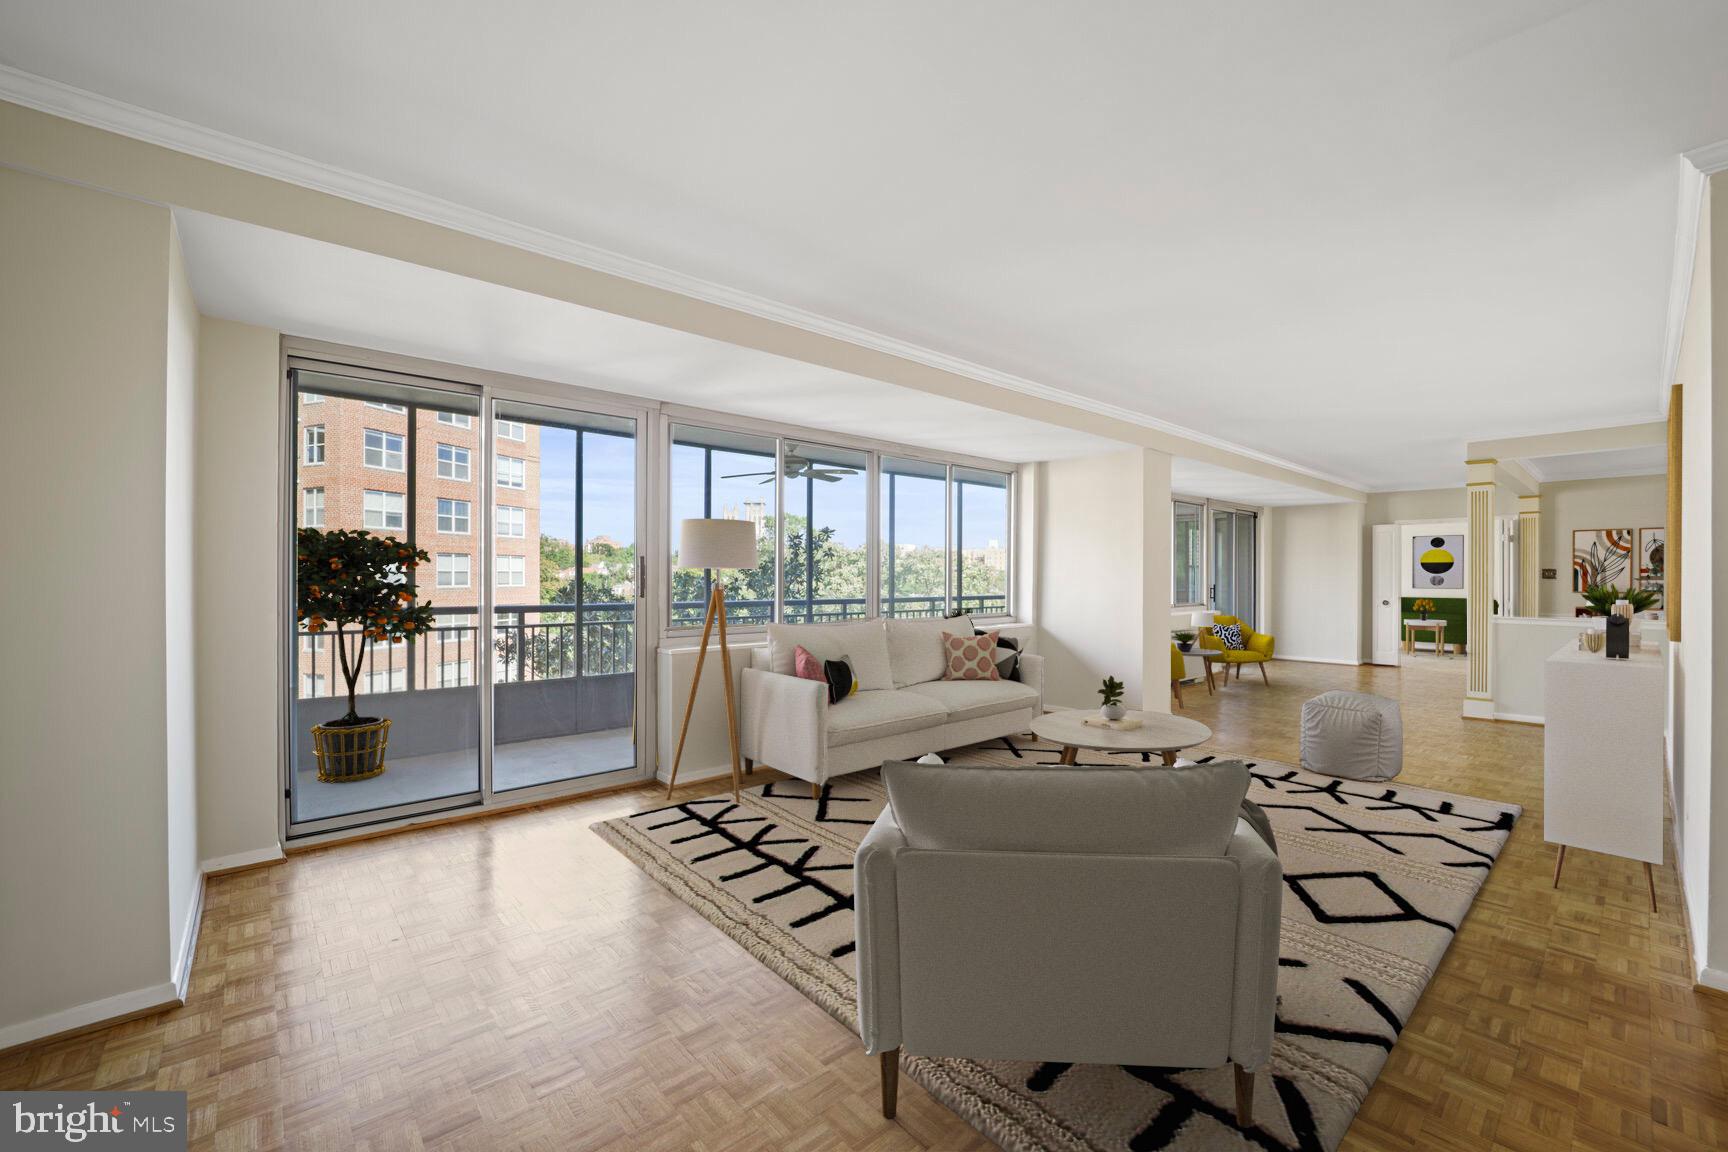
(1387, 606)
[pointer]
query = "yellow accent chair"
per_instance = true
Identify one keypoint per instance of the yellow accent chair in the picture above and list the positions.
(1257, 647)
(1178, 669)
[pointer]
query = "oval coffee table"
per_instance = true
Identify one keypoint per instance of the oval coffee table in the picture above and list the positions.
(1158, 732)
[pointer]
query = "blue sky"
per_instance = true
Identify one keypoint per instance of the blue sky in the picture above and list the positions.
(609, 464)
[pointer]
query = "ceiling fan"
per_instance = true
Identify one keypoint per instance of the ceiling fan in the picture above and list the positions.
(797, 467)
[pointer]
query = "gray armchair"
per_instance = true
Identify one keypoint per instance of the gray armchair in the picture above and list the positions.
(1085, 915)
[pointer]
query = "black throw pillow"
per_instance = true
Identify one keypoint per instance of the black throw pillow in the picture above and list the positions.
(841, 682)
(1007, 655)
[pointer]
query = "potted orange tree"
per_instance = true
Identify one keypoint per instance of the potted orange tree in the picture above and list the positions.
(361, 588)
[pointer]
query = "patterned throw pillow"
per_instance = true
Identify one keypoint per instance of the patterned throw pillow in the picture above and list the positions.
(1230, 634)
(969, 657)
(1007, 657)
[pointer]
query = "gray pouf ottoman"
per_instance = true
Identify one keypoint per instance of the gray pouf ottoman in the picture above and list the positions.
(1353, 735)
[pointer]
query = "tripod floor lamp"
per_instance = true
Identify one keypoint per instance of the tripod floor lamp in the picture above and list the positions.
(714, 544)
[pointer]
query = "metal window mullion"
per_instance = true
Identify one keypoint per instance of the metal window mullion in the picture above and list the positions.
(948, 549)
(780, 524)
(484, 640)
(873, 536)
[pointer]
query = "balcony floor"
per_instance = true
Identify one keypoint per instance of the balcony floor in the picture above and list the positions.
(415, 778)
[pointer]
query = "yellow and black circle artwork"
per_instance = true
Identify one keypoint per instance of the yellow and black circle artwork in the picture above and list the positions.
(1439, 562)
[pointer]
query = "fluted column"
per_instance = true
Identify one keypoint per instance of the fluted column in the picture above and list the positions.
(1479, 572)
(1529, 555)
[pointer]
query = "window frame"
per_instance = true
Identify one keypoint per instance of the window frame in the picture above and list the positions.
(519, 514)
(520, 563)
(384, 513)
(383, 450)
(875, 451)
(1207, 560)
(465, 516)
(520, 470)
(455, 419)
(498, 432)
(306, 502)
(308, 433)
(461, 460)
(467, 559)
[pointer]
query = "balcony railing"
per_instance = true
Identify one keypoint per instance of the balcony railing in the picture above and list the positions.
(688, 613)
(558, 641)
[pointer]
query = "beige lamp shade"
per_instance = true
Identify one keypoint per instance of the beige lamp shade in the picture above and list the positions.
(716, 544)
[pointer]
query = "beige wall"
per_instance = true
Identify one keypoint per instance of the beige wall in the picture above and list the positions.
(1621, 502)
(1313, 590)
(1103, 581)
(1416, 504)
(84, 715)
(238, 585)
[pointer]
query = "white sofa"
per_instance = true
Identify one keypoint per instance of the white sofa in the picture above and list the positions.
(903, 707)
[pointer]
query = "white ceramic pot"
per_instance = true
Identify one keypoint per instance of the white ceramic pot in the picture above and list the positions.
(1112, 711)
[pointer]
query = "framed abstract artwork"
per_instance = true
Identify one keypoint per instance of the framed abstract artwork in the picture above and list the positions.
(1602, 556)
(1652, 558)
(1437, 561)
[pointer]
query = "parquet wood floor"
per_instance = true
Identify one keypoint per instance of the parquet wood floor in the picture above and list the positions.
(514, 982)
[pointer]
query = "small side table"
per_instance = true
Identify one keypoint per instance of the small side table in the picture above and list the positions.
(1437, 627)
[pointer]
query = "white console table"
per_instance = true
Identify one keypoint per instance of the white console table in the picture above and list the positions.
(1602, 773)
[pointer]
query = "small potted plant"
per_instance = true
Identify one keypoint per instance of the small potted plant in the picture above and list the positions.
(1602, 597)
(1423, 606)
(1184, 640)
(361, 587)
(1112, 693)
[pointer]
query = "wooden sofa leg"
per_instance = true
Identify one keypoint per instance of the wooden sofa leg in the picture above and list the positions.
(749, 765)
(890, 1082)
(1244, 1096)
(1263, 675)
(815, 791)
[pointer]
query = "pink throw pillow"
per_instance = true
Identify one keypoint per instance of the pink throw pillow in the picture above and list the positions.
(969, 657)
(805, 666)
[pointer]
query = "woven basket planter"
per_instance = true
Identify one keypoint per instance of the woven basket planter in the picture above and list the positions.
(352, 752)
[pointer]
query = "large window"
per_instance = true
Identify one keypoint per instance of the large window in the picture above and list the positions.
(1187, 554)
(825, 553)
(980, 551)
(723, 475)
(914, 535)
(512, 472)
(942, 535)
(512, 522)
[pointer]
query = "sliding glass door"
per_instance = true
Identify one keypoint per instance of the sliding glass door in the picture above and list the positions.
(564, 593)
(519, 676)
(1234, 544)
(388, 460)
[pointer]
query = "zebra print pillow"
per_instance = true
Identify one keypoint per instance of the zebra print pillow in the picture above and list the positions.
(1230, 634)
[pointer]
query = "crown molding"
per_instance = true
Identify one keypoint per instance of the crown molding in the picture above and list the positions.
(98, 111)
(1695, 168)
(1709, 159)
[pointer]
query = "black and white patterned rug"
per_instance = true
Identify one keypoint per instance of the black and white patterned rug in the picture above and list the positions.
(1377, 878)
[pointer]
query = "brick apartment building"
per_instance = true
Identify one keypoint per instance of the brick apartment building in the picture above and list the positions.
(355, 460)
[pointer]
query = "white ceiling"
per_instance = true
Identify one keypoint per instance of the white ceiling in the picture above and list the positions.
(1644, 460)
(1196, 478)
(1353, 236)
(327, 292)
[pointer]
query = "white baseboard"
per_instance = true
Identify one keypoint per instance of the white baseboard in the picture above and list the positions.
(188, 949)
(1317, 660)
(1714, 978)
(112, 1008)
(242, 860)
(689, 775)
(1478, 709)
(1519, 718)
